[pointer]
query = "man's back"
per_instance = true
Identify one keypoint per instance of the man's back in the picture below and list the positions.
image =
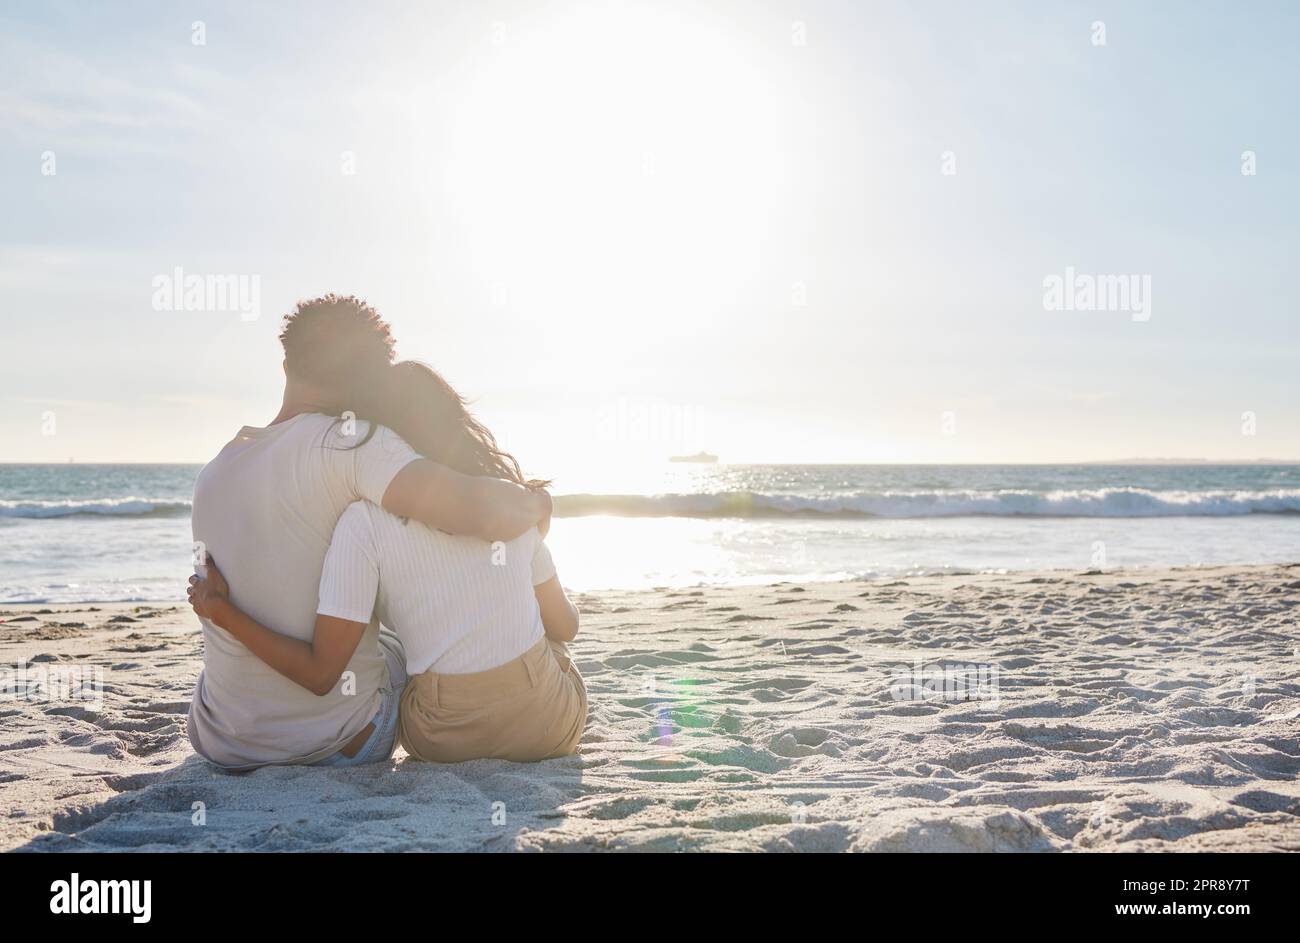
(265, 508)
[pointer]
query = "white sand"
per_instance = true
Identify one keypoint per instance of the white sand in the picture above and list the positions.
(1135, 711)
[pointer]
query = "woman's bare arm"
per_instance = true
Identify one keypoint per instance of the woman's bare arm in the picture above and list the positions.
(316, 665)
(559, 615)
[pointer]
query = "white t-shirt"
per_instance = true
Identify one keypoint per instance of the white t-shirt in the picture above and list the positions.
(265, 508)
(459, 604)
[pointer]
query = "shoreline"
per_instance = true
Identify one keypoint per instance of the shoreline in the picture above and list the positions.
(82, 605)
(1138, 709)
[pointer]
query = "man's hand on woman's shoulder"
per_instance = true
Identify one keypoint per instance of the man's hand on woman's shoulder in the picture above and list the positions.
(468, 505)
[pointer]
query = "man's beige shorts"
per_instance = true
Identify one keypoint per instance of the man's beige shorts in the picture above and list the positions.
(531, 708)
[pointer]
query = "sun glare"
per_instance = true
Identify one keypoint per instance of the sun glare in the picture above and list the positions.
(643, 136)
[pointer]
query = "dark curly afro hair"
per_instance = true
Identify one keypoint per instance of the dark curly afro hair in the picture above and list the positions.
(337, 343)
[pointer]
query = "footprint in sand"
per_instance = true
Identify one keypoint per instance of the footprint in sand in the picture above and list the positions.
(803, 741)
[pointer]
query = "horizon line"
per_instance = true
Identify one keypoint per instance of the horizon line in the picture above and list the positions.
(1149, 461)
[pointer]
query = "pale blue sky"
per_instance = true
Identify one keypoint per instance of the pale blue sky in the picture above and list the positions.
(596, 219)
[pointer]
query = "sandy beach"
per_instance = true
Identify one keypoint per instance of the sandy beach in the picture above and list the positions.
(1153, 710)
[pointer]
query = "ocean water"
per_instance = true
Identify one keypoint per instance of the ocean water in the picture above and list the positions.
(72, 533)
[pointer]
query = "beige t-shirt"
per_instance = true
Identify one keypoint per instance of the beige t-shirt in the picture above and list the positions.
(265, 508)
(459, 604)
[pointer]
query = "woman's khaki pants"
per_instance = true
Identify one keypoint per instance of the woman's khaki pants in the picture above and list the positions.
(531, 708)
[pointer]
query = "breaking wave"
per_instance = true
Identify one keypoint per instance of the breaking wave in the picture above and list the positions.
(1108, 502)
(119, 507)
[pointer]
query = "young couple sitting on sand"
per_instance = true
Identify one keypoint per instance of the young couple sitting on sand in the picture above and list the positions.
(375, 496)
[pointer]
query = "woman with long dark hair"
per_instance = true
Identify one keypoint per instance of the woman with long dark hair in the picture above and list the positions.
(482, 625)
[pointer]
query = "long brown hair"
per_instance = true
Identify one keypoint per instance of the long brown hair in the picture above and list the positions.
(414, 400)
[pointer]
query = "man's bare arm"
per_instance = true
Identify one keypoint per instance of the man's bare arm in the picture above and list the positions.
(468, 505)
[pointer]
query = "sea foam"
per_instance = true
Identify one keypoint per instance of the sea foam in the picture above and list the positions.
(121, 507)
(1106, 502)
